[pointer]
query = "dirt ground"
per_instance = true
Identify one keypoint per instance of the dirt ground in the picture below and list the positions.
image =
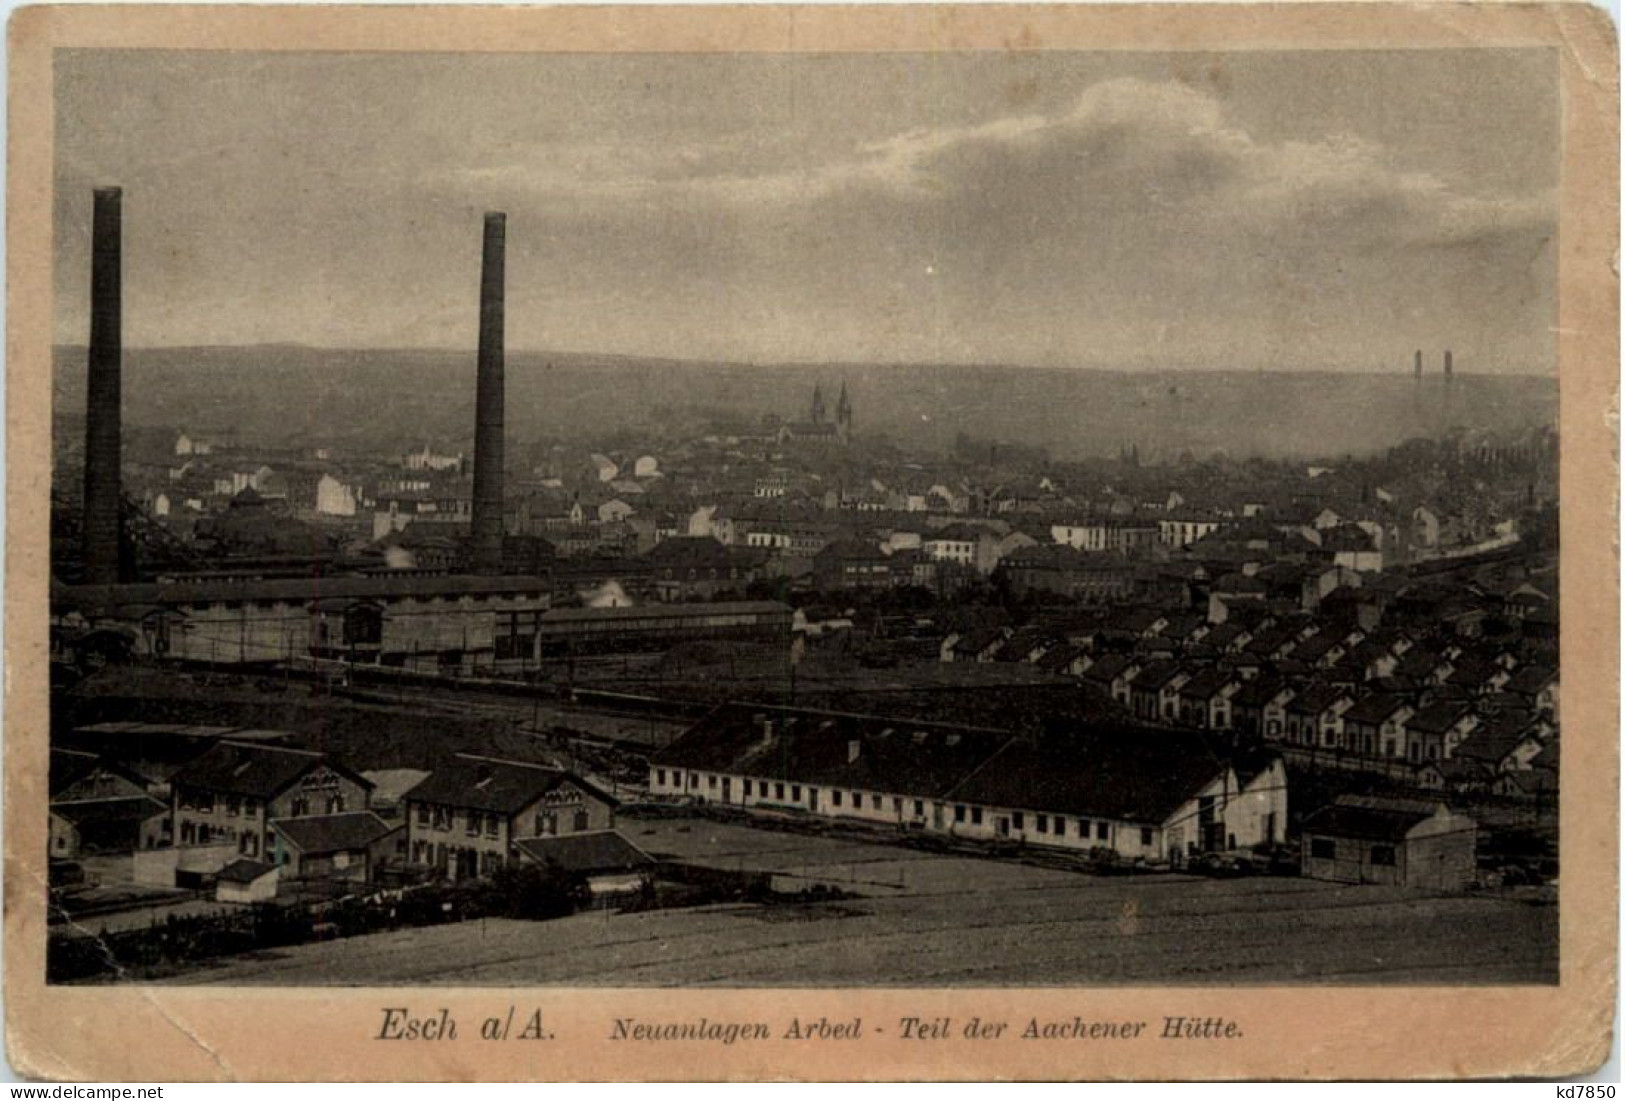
(928, 919)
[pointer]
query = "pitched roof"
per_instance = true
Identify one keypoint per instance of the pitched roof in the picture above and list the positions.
(1370, 818)
(977, 641)
(1374, 709)
(1531, 679)
(128, 808)
(301, 590)
(1109, 667)
(254, 770)
(1157, 675)
(1207, 683)
(1058, 658)
(664, 611)
(586, 853)
(492, 784)
(1495, 742)
(243, 870)
(1316, 698)
(68, 766)
(1436, 718)
(331, 833)
(1260, 691)
(1123, 780)
(894, 755)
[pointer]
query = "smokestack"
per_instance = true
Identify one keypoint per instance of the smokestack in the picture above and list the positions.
(1418, 363)
(488, 401)
(102, 414)
(1448, 365)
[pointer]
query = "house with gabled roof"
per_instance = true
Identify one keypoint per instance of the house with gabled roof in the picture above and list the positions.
(1154, 692)
(1114, 674)
(979, 645)
(1065, 660)
(236, 790)
(463, 820)
(1259, 707)
(1205, 699)
(1478, 676)
(1230, 637)
(1434, 732)
(1539, 685)
(1314, 717)
(1375, 725)
(1502, 746)
(98, 807)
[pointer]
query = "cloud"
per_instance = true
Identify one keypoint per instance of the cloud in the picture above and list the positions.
(1150, 149)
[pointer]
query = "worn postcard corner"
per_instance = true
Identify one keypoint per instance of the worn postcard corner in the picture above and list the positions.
(778, 543)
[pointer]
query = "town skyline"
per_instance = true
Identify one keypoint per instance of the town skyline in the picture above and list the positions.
(1080, 211)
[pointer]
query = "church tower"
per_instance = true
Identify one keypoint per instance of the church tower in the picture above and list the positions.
(818, 404)
(843, 416)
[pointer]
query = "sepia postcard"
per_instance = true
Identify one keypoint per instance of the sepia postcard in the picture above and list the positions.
(787, 542)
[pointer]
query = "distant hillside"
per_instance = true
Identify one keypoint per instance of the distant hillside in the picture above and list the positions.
(288, 393)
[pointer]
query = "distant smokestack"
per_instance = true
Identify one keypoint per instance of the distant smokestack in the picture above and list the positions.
(488, 402)
(1448, 365)
(1418, 363)
(102, 415)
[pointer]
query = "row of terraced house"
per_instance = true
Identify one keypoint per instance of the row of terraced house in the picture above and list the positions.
(1460, 713)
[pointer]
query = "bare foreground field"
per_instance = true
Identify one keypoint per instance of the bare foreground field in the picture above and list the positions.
(928, 919)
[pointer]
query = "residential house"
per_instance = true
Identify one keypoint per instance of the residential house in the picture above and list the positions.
(237, 790)
(1114, 674)
(97, 806)
(1437, 729)
(1259, 707)
(1205, 700)
(1375, 726)
(1314, 716)
(1154, 693)
(464, 819)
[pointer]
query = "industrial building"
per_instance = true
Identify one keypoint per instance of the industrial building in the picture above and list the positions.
(1144, 795)
(660, 626)
(455, 621)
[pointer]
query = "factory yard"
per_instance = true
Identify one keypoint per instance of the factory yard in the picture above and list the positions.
(929, 919)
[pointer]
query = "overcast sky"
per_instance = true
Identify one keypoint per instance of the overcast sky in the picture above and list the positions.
(1324, 210)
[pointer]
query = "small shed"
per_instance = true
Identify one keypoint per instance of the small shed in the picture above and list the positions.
(1400, 842)
(611, 864)
(246, 881)
(350, 845)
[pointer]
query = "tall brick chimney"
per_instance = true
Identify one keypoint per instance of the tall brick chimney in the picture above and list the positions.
(1418, 363)
(102, 410)
(486, 544)
(1449, 365)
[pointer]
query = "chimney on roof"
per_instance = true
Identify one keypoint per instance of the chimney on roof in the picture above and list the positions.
(854, 750)
(103, 400)
(1449, 365)
(1418, 363)
(765, 726)
(488, 402)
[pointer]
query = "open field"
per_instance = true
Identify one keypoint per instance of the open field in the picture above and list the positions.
(928, 920)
